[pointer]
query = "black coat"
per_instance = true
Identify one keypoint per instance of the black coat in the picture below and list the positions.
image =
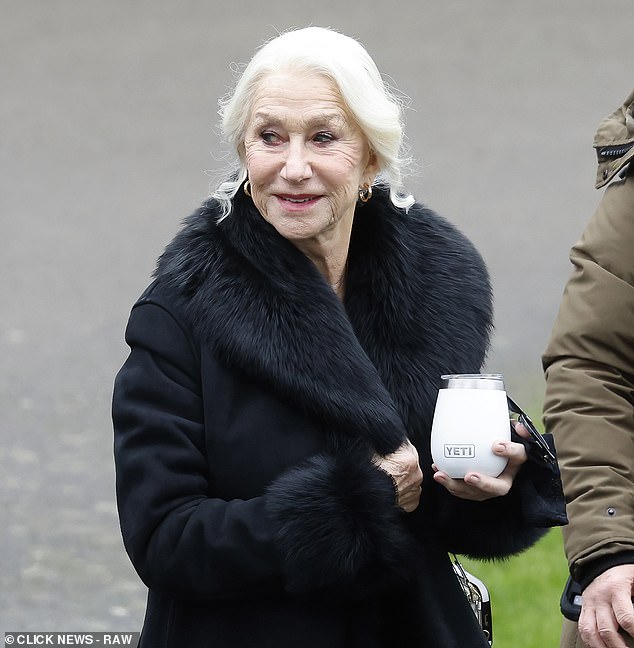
(245, 418)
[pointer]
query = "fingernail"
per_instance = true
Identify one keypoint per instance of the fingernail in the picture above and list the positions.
(473, 479)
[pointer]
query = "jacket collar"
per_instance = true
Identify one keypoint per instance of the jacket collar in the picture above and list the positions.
(417, 305)
(614, 141)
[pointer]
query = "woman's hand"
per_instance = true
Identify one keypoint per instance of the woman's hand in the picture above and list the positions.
(478, 487)
(403, 467)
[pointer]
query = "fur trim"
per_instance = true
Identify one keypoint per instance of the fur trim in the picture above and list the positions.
(344, 505)
(418, 305)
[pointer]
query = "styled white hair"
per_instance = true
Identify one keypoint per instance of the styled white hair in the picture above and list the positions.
(345, 61)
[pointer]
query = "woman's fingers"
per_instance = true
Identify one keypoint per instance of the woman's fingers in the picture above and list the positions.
(404, 469)
(474, 486)
(478, 487)
(520, 428)
(408, 500)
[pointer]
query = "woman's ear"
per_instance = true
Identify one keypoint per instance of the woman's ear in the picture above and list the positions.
(372, 168)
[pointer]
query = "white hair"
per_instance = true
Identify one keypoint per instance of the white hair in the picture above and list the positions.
(345, 61)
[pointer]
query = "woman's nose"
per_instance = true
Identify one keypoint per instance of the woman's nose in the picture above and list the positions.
(296, 165)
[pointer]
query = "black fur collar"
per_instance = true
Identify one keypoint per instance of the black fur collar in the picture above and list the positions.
(417, 305)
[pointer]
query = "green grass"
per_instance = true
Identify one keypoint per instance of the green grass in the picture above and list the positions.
(525, 592)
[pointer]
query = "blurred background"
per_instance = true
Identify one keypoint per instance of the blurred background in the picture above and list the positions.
(108, 138)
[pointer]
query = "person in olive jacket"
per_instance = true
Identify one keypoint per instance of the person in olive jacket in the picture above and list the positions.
(274, 479)
(589, 405)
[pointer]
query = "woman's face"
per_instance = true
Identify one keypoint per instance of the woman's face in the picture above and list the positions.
(306, 158)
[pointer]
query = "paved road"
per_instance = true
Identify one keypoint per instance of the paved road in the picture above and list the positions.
(107, 118)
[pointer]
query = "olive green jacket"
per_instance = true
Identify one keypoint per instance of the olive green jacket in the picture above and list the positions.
(589, 365)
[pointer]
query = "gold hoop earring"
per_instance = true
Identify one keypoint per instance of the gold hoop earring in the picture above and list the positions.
(247, 188)
(365, 193)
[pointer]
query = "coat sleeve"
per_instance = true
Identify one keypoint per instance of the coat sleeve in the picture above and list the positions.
(589, 405)
(178, 537)
(501, 526)
(325, 522)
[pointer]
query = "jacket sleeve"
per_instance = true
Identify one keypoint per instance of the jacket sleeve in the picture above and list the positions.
(589, 405)
(301, 534)
(178, 537)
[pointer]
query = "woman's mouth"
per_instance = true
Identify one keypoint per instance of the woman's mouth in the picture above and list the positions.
(297, 202)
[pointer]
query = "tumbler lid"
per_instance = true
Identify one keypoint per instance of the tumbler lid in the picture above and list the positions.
(473, 381)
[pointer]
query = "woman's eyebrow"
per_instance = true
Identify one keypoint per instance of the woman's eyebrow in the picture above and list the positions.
(330, 119)
(261, 118)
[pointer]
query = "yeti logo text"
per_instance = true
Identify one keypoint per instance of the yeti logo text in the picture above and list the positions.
(459, 451)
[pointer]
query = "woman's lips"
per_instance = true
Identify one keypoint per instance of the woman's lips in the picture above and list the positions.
(297, 202)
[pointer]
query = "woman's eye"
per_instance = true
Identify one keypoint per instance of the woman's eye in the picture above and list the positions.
(323, 137)
(269, 137)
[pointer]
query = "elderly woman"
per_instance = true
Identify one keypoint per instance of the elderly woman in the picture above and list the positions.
(272, 421)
